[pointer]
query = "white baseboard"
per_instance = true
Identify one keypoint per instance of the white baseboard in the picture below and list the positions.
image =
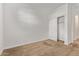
(24, 43)
(53, 39)
(66, 43)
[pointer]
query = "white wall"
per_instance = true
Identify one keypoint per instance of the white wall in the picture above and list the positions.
(53, 29)
(28, 23)
(72, 28)
(23, 25)
(61, 11)
(18, 31)
(74, 11)
(1, 28)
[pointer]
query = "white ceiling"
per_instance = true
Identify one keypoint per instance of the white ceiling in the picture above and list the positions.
(44, 8)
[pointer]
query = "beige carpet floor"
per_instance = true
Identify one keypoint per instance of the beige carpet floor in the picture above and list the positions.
(44, 48)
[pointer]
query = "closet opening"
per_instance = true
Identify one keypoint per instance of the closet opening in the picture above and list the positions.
(60, 28)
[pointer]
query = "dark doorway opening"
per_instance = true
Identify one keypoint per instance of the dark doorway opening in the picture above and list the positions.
(60, 28)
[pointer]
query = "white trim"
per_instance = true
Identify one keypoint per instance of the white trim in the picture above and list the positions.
(24, 43)
(66, 43)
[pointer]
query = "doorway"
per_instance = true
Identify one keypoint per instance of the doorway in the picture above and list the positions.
(60, 28)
